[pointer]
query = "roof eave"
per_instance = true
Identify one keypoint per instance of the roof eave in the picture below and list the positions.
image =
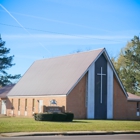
(134, 100)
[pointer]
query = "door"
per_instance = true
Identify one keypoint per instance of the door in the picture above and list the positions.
(3, 107)
(40, 106)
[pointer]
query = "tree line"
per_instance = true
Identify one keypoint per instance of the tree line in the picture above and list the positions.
(6, 63)
(127, 66)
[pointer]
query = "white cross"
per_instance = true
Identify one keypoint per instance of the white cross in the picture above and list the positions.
(101, 74)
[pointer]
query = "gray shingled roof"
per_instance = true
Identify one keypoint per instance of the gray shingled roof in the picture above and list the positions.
(5, 90)
(54, 76)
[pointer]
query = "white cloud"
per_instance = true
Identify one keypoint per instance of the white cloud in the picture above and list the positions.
(46, 40)
(65, 36)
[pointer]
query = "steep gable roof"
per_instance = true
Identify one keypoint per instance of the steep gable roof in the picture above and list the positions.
(59, 75)
(54, 76)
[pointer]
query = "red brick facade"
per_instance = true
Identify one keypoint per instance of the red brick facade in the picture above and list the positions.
(73, 102)
(76, 100)
(123, 109)
(120, 102)
(61, 101)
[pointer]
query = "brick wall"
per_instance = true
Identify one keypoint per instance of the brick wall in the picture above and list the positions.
(132, 111)
(61, 101)
(76, 100)
(123, 109)
(120, 102)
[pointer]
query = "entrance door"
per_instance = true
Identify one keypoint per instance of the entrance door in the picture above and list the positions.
(3, 107)
(40, 106)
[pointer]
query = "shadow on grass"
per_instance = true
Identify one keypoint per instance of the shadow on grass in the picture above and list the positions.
(80, 121)
(74, 121)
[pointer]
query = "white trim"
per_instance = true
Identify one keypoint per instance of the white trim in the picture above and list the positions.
(107, 57)
(109, 92)
(36, 96)
(3, 106)
(40, 105)
(86, 96)
(91, 94)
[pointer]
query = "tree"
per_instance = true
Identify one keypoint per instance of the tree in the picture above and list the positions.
(6, 63)
(128, 66)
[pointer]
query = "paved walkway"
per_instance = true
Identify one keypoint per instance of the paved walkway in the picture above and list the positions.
(66, 133)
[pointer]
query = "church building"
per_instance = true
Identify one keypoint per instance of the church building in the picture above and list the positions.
(84, 83)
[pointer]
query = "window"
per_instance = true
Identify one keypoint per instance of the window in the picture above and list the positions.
(18, 104)
(12, 104)
(25, 104)
(138, 108)
(33, 105)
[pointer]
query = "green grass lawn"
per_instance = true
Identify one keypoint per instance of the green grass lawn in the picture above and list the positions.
(30, 125)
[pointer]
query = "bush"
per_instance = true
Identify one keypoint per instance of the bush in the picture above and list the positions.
(68, 117)
(59, 117)
(43, 117)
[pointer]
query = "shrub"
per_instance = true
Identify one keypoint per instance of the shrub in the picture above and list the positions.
(43, 117)
(59, 117)
(68, 117)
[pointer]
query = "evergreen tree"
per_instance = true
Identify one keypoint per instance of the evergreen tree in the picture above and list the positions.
(5, 63)
(128, 66)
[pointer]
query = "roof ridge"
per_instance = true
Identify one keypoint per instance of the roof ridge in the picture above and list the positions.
(69, 54)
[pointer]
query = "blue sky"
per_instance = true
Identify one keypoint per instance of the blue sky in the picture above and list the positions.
(37, 29)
